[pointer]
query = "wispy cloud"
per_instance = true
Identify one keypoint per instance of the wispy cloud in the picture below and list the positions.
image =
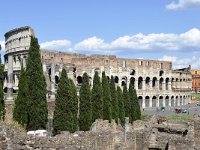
(183, 4)
(56, 45)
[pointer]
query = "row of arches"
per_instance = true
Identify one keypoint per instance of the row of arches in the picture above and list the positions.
(160, 101)
(146, 83)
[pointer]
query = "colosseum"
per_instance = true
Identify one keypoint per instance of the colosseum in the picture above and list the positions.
(156, 83)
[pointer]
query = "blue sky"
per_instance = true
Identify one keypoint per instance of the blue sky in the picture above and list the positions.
(164, 30)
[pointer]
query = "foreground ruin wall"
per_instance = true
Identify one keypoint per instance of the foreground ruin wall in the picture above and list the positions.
(155, 134)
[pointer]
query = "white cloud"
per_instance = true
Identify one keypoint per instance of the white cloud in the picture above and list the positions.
(168, 58)
(182, 62)
(183, 4)
(56, 45)
(92, 43)
(174, 42)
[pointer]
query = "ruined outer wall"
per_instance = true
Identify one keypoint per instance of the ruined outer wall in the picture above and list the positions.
(156, 83)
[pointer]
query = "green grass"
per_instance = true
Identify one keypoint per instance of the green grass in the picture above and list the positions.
(145, 116)
(197, 96)
(179, 117)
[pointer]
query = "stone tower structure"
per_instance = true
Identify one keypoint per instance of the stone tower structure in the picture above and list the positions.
(17, 42)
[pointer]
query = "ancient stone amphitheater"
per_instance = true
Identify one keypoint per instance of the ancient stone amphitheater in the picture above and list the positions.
(157, 84)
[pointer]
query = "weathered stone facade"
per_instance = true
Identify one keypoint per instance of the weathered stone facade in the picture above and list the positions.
(156, 83)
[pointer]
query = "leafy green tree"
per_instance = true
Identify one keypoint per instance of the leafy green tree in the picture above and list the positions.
(96, 98)
(107, 107)
(37, 103)
(73, 106)
(126, 102)
(135, 113)
(114, 100)
(121, 105)
(20, 108)
(63, 118)
(2, 102)
(85, 108)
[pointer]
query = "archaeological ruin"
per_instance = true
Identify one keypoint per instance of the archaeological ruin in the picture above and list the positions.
(158, 133)
(156, 83)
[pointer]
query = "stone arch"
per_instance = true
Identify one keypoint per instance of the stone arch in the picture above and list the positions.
(97, 70)
(140, 100)
(167, 83)
(161, 84)
(56, 79)
(154, 101)
(176, 101)
(79, 80)
(140, 82)
(167, 101)
(124, 81)
(49, 73)
(173, 82)
(5, 90)
(132, 72)
(116, 79)
(184, 100)
(132, 81)
(108, 78)
(161, 103)
(161, 73)
(154, 82)
(147, 101)
(172, 101)
(147, 82)
(181, 100)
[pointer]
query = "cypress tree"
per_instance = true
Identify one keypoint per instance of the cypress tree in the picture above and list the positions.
(107, 107)
(2, 102)
(96, 98)
(121, 105)
(37, 103)
(137, 106)
(126, 102)
(115, 109)
(135, 113)
(62, 119)
(73, 106)
(85, 112)
(20, 107)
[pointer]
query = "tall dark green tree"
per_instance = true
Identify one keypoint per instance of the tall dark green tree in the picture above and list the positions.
(126, 101)
(137, 106)
(2, 103)
(121, 105)
(96, 98)
(37, 103)
(73, 106)
(62, 119)
(135, 112)
(107, 107)
(85, 108)
(114, 100)
(20, 108)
